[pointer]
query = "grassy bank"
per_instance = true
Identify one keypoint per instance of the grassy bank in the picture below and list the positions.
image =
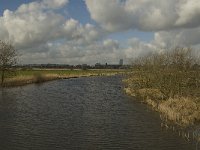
(183, 110)
(23, 77)
(170, 84)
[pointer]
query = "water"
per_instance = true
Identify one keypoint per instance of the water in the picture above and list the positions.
(86, 113)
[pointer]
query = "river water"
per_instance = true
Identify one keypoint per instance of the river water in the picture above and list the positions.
(85, 113)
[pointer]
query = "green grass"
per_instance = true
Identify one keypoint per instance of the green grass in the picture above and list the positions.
(64, 72)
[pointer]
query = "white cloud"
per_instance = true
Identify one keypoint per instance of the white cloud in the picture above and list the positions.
(31, 25)
(3, 32)
(44, 35)
(30, 28)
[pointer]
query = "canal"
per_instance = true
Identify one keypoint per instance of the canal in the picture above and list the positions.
(81, 114)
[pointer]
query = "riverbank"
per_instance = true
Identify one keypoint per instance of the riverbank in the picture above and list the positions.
(183, 111)
(23, 77)
(170, 84)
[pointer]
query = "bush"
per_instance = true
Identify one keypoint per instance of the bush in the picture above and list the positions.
(169, 83)
(171, 73)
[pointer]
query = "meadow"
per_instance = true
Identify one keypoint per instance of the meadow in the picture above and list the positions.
(26, 76)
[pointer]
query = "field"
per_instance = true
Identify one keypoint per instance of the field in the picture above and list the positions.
(22, 77)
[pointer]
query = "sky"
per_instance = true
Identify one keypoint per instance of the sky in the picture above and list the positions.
(97, 31)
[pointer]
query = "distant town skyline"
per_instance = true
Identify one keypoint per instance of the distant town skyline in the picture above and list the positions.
(91, 31)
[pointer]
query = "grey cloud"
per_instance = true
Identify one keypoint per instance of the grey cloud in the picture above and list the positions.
(42, 5)
(189, 12)
(83, 34)
(175, 22)
(55, 4)
(111, 44)
(181, 37)
(138, 48)
(69, 52)
(148, 15)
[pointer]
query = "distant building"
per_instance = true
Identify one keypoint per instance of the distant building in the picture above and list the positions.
(121, 62)
(99, 66)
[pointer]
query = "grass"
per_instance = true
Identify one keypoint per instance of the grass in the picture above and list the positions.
(182, 107)
(169, 84)
(22, 77)
(184, 111)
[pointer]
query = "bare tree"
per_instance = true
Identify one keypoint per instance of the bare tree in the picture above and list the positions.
(170, 72)
(8, 58)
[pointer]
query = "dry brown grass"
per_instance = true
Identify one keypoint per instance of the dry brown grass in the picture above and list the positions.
(182, 111)
(22, 80)
(148, 93)
(39, 77)
(168, 83)
(130, 91)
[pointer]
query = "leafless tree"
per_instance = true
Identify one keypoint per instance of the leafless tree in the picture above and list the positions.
(171, 72)
(8, 58)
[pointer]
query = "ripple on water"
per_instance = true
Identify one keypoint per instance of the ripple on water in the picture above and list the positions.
(85, 113)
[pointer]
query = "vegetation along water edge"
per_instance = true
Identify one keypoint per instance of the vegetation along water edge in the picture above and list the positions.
(169, 82)
(23, 77)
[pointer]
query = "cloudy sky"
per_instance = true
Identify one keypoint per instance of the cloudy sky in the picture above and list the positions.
(90, 31)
